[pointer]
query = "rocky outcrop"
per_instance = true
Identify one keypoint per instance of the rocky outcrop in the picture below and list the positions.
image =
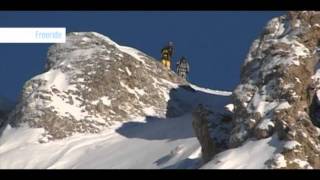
(200, 126)
(212, 130)
(89, 84)
(273, 96)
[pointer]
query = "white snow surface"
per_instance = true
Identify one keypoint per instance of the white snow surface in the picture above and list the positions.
(279, 160)
(291, 145)
(147, 142)
(230, 107)
(265, 124)
(251, 155)
(138, 55)
(140, 144)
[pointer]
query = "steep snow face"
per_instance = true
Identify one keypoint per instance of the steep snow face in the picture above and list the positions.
(273, 94)
(142, 144)
(91, 82)
(146, 142)
(102, 105)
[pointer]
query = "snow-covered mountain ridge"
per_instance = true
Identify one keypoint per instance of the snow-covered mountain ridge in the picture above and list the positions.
(102, 105)
(91, 82)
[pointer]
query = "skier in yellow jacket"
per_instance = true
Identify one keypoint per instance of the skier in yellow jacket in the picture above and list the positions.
(166, 55)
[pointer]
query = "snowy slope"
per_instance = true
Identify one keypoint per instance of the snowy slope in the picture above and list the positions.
(103, 105)
(20, 147)
(247, 156)
(146, 142)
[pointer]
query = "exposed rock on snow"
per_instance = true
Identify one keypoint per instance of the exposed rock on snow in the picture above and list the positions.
(273, 93)
(147, 142)
(98, 98)
(102, 103)
(212, 129)
(200, 126)
(253, 154)
(290, 145)
(278, 161)
(84, 91)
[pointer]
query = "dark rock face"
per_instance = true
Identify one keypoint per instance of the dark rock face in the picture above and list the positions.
(212, 129)
(200, 126)
(90, 83)
(273, 96)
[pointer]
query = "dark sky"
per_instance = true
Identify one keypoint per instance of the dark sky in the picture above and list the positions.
(214, 42)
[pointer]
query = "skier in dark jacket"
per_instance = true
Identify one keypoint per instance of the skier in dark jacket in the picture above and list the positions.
(183, 67)
(166, 55)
